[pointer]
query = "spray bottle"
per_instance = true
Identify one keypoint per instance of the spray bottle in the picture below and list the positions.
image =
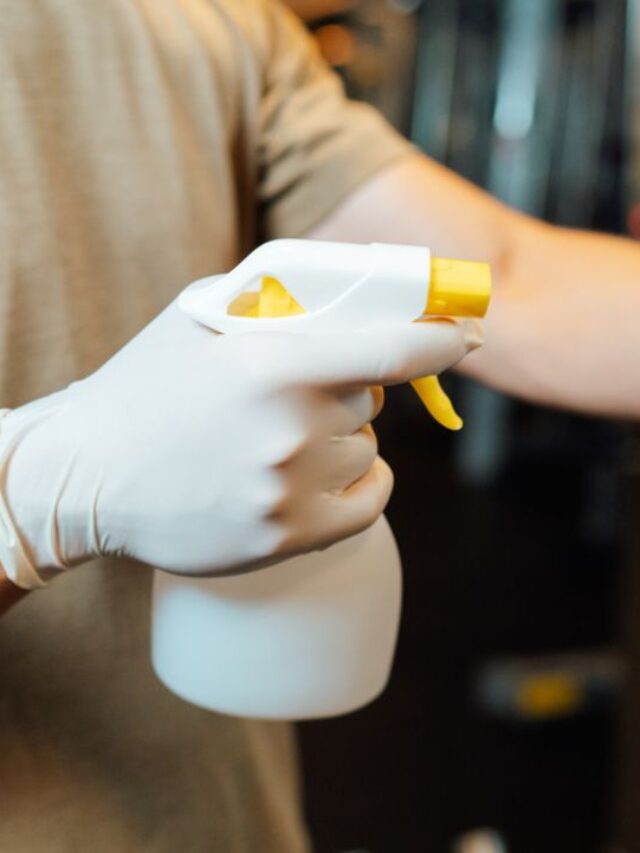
(314, 635)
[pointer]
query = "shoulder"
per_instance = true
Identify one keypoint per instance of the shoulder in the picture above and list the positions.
(262, 26)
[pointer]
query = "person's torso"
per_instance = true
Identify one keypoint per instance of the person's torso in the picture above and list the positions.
(127, 169)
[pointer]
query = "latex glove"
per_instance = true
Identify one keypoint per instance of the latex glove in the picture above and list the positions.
(201, 453)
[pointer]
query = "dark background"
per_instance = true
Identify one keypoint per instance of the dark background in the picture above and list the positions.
(519, 536)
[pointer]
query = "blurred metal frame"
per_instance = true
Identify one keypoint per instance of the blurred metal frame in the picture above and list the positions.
(540, 151)
(632, 101)
(626, 816)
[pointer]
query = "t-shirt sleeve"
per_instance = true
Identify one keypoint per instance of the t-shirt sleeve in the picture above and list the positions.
(315, 145)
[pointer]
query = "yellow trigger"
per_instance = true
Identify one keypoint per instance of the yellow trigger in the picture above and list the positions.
(437, 402)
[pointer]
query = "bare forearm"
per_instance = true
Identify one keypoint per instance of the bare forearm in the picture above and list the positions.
(563, 329)
(563, 325)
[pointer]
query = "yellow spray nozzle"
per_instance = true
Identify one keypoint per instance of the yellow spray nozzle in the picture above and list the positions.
(456, 289)
(459, 288)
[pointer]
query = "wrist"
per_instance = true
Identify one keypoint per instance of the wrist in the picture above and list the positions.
(16, 561)
(36, 463)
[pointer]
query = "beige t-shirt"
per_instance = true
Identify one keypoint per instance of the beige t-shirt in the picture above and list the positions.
(143, 143)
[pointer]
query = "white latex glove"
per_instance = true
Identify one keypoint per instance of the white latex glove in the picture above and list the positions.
(200, 453)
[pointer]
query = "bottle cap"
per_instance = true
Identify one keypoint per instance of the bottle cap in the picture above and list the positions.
(459, 288)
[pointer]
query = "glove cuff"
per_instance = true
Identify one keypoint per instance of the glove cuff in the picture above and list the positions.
(13, 556)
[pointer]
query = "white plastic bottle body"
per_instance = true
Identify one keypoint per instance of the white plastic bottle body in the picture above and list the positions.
(313, 636)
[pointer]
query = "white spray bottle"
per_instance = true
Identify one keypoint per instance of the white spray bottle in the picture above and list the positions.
(314, 635)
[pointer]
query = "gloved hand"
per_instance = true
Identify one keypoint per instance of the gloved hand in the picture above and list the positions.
(200, 453)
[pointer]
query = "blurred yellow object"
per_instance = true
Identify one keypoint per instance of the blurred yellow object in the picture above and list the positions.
(337, 44)
(313, 10)
(552, 695)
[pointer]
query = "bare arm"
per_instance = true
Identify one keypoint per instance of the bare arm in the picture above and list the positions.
(564, 325)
